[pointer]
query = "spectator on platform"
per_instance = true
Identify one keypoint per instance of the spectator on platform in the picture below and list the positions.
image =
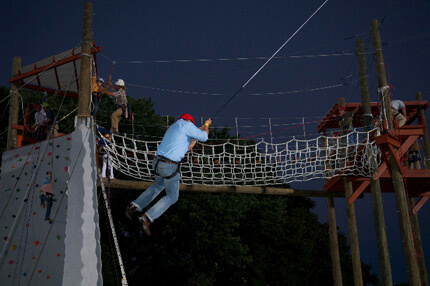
(399, 111)
(47, 195)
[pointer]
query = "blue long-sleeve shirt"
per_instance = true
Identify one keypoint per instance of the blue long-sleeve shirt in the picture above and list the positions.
(177, 139)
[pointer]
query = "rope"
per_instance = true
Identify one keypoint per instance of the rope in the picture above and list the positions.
(249, 94)
(268, 60)
(262, 163)
(111, 223)
(335, 54)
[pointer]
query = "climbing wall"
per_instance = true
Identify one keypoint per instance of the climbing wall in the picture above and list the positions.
(32, 249)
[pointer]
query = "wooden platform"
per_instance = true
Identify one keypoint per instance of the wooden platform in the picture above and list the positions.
(141, 185)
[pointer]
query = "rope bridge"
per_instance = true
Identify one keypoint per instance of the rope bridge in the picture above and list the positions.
(258, 164)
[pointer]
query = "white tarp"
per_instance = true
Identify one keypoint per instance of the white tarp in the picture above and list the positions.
(66, 73)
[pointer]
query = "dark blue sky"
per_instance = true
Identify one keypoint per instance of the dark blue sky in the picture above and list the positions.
(172, 30)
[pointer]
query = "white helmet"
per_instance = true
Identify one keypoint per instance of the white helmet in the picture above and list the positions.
(120, 82)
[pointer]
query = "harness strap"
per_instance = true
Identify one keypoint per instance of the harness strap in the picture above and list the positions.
(178, 168)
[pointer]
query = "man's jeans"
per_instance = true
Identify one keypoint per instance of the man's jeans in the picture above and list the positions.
(172, 191)
(49, 201)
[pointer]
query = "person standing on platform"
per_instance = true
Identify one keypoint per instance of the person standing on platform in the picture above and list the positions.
(399, 111)
(120, 98)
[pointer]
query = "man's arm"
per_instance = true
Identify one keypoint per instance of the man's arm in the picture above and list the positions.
(205, 128)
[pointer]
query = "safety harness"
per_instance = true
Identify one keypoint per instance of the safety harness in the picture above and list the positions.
(166, 160)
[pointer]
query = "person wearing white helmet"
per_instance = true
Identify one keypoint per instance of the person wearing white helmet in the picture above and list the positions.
(120, 98)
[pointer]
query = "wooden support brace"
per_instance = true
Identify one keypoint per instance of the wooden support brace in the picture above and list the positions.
(396, 158)
(358, 192)
(421, 202)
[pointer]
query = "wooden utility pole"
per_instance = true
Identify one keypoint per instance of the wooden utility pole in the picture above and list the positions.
(415, 222)
(13, 107)
(85, 72)
(378, 208)
(350, 209)
(397, 178)
(332, 231)
(426, 140)
(334, 244)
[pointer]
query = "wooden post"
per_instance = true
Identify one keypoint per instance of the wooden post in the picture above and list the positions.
(334, 245)
(426, 140)
(397, 178)
(352, 221)
(85, 72)
(13, 107)
(332, 231)
(419, 245)
(378, 208)
(415, 222)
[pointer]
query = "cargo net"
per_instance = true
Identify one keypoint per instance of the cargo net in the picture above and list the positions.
(235, 162)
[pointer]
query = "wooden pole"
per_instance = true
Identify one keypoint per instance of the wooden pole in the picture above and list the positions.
(397, 178)
(332, 232)
(352, 221)
(426, 140)
(415, 222)
(334, 244)
(13, 107)
(378, 208)
(419, 245)
(141, 185)
(85, 71)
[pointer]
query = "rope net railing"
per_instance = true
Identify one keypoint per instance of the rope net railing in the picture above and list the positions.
(236, 162)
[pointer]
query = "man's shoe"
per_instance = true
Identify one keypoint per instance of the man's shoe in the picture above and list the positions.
(130, 210)
(145, 224)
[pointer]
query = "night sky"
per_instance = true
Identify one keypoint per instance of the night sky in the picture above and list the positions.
(151, 31)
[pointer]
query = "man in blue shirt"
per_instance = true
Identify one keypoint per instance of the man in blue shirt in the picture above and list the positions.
(180, 138)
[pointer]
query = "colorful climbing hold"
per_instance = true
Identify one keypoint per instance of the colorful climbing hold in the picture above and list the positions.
(11, 262)
(36, 148)
(56, 157)
(66, 169)
(36, 243)
(26, 162)
(58, 237)
(47, 277)
(33, 258)
(16, 155)
(14, 166)
(68, 139)
(14, 247)
(58, 146)
(24, 274)
(34, 213)
(66, 158)
(18, 190)
(27, 225)
(50, 143)
(58, 254)
(40, 271)
(49, 154)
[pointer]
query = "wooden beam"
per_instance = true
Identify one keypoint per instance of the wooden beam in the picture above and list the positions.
(141, 185)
